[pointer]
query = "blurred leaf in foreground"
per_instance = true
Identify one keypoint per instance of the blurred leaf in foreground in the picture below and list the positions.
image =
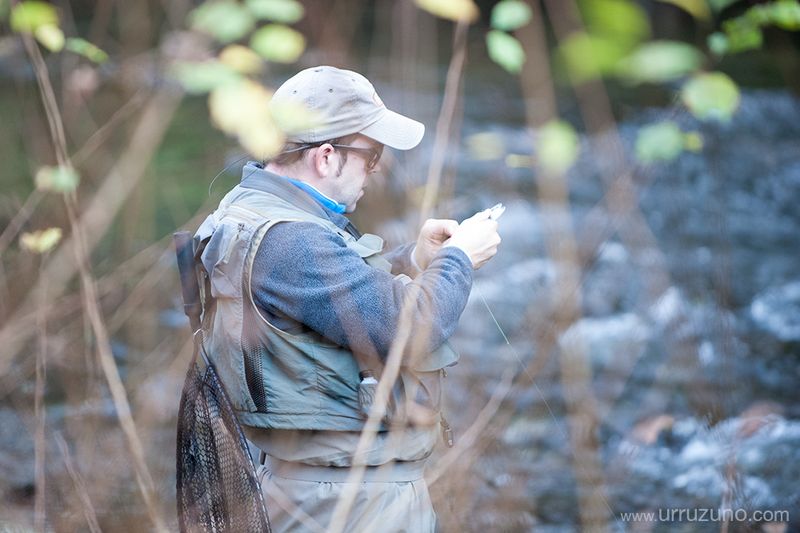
(711, 96)
(558, 146)
(621, 21)
(660, 61)
(505, 50)
(485, 146)
(279, 43)
(451, 9)
(241, 59)
(28, 16)
(696, 8)
(86, 49)
(57, 179)
(291, 117)
(41, 241)
(243, 109)
(285, 11)
(662, 141)
(587, 57)
(50, 36)
(509, 15)
(201, 77)
(226, 20)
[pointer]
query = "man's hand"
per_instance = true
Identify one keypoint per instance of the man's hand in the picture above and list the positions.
(477, 237)
(432, 237)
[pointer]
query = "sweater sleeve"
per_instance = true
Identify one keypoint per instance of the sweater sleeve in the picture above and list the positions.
(311, 276)
(400, 258)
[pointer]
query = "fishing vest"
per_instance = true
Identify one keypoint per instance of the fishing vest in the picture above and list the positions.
(282, 380)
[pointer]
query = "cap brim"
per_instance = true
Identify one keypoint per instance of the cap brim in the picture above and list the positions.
(395, 130)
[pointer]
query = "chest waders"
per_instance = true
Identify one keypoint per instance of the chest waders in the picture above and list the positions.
(216, 483)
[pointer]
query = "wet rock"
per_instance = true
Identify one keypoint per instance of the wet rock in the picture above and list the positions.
(778, 311)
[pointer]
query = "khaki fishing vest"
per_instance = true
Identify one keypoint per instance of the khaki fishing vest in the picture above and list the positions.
(293, 381)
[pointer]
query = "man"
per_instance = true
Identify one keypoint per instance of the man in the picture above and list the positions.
(306, 310)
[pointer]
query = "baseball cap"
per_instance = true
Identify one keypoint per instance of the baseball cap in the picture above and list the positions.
(342, 102)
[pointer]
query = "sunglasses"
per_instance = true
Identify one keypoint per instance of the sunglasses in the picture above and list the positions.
(370, 155)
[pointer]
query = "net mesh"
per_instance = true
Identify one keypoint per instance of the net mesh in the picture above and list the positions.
(217, 487)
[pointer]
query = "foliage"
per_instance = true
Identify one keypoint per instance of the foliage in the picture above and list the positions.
(711, 96)
(279, 43)
(745, 31)
(664, 141)
(57, 179)
(505, 50)
(455, 10)
(41, 241)
(283, 11)
(558, 146)
(510, 15)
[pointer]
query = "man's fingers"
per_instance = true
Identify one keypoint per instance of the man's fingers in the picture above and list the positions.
(440, 227)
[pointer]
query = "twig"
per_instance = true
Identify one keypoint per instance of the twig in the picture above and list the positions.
(40, 446)
(88, 289)
(454, 73)
(80, 486)
(19, 219)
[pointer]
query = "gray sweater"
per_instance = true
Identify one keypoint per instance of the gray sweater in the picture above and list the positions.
(306, 277)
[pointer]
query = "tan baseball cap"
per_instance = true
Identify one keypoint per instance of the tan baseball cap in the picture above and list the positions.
(343, 102)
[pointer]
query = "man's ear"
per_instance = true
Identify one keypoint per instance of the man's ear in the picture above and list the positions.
(323, 160)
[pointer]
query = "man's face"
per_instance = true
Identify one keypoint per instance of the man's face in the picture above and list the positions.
(351, 180)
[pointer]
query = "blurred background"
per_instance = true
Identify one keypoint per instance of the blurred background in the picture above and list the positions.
(633, 347)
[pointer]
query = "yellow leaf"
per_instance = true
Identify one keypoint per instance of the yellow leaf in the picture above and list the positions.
(292, 117)
(485, 146)
(451, 9)
(242, 109)
(50, 36)
(41, 241)
(241, 59)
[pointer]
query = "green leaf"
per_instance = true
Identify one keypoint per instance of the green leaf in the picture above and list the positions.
(558, 146)
(285, 11)
(57, 179)
(743, 33)
(662, 141)
(27, 16)
(275, 42)
(660, 61)
(711, 96)
(718, 43)
(785, 15)
(86, 49)
(696, 8)
(201, 77)
(587, 57)
(50, 36)
(510, 15)
(451, 9)
(42, 241)
(621, 21)
(226, 20)
(505, 50)
(241, 59)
